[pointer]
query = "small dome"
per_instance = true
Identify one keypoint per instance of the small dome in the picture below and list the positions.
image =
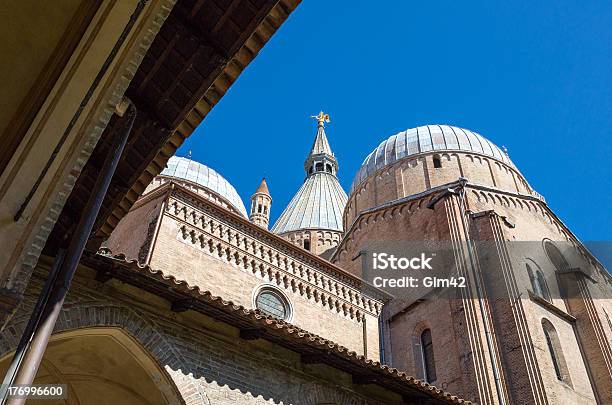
(190, 170)
(426, 139)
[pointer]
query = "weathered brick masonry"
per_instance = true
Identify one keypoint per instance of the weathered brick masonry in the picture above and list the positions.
(206, 358)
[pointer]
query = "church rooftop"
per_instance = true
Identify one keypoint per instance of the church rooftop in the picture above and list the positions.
(320, 201)
(423, 139)
(195, 172)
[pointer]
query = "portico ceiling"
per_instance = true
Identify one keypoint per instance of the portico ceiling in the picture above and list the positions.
(199, 52)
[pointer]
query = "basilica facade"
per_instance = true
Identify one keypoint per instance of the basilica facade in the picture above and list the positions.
(531, 326)
(221, 310)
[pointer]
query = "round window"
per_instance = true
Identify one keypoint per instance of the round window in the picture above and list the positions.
(272, 302)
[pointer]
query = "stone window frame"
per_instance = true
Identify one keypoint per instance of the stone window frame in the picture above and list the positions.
(555, 351)
(267, 287)
(418, 352)
(537, 279)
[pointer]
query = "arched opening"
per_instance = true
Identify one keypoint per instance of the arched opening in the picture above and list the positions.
(102, 366)
(328, 168)
(427, 357)
(555, 256)
(437, 162)
(538, 282)
(319, 167)
(555, 351)
(306, 244)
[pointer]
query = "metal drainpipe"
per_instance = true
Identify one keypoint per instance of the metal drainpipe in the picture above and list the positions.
(33, 322)
(25, 363)
(483, 309)
(381, 336)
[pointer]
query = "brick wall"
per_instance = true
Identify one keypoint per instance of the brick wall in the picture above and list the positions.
(526, 364)
(208, 248)
(414, 175)
(205, 359)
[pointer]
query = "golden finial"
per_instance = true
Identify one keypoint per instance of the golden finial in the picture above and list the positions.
(321, 118)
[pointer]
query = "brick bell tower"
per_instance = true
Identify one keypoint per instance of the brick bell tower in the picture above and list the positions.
(261, 202)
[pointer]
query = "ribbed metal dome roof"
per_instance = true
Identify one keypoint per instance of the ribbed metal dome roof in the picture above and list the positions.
(318, 204)
(425, 139)
(187, 169)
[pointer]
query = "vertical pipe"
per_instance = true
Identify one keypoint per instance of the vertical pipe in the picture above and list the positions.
(26, 371)
(24, 342)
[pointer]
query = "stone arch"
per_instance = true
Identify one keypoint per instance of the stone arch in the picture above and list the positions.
(417, 349)
(85, 324)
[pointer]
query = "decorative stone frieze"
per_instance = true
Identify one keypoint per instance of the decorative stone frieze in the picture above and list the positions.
(230, 241)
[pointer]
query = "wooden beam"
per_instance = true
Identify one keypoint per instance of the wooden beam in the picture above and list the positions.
(103, 276)
(251, 334)
(365, 379)
(312, 358)
(182, 305)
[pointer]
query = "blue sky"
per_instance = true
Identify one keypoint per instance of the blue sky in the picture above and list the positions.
(534, 76)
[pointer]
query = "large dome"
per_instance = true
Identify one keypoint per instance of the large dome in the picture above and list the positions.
(426, 139)
(187, 169)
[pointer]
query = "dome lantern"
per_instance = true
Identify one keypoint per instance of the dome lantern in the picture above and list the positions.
(313, 218)
(321, 158)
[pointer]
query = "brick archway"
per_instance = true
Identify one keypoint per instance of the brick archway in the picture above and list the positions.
(117, 330)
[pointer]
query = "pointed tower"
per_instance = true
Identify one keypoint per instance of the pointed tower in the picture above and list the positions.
(261, 202)
(313, 218)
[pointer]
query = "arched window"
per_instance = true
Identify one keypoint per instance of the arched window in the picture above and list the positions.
(437, 162)
(265, 208)
(328, 168)
(319, 167)
(306, 244)
(608, 318)
(555, 351)
(555, 256)
(427, 356)
(538, 282)
(272, 302)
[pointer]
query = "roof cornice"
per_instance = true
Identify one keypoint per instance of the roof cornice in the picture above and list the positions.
(277, 241)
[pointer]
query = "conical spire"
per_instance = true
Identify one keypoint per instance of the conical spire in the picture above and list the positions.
(319, 203)
(321, 144)
(321, 158)
(261, 203)
(263, 187)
